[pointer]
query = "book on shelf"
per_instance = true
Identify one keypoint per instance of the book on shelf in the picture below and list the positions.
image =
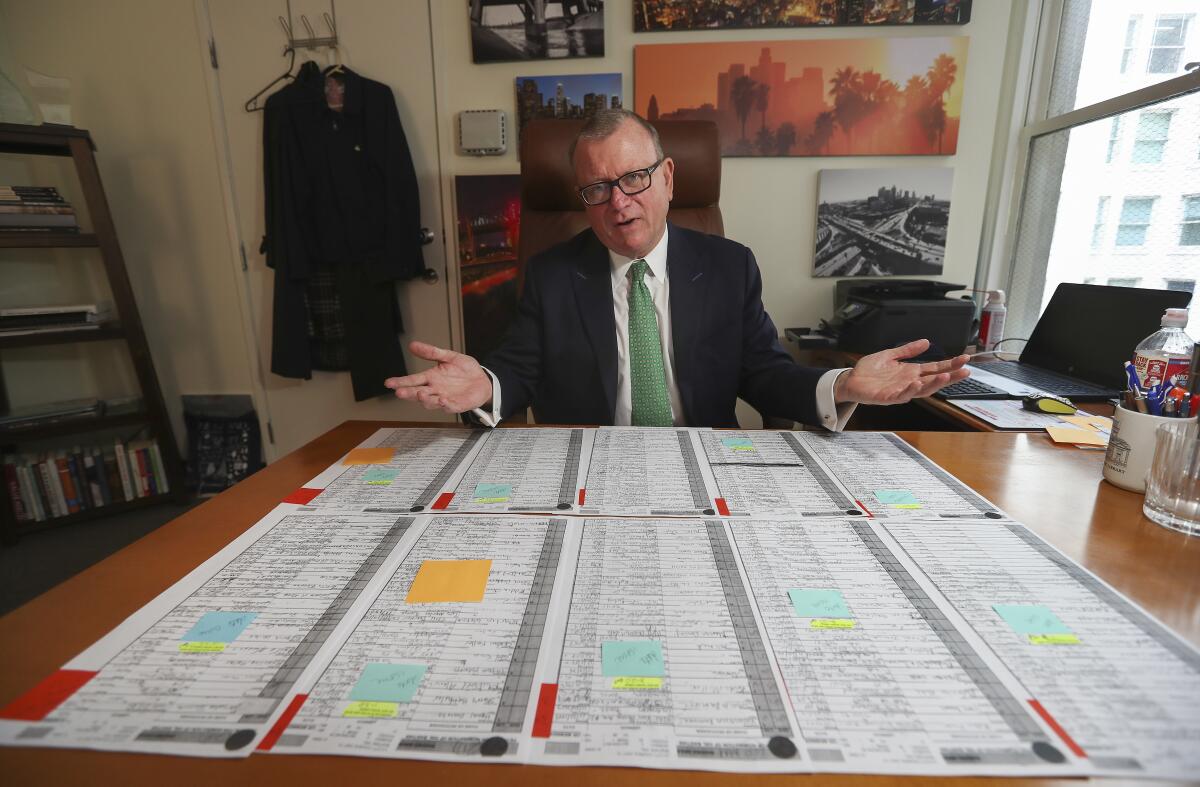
(35, 209)
(53, 484)
(48, 319)
(51, 413)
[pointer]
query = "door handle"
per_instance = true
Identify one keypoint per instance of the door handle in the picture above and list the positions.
(426, 236)
(429, 275)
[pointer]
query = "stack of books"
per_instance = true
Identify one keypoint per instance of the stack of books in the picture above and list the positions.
(42, 319)
(58, 483)
(35, 209)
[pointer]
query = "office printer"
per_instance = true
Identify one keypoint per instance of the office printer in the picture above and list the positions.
(872, 316)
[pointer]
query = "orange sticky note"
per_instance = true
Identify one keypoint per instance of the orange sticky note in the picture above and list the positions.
(369, 456)
(449, 580)
(1069, 434)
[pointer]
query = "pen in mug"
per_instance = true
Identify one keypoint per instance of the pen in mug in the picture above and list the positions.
(1131, 374)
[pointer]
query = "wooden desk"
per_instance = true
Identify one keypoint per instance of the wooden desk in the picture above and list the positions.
(1056, 491)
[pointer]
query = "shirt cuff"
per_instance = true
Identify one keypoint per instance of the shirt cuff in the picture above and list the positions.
(492, 419)
(833, 416)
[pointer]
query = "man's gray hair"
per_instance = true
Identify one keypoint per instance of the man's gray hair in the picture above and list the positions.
(605, 122)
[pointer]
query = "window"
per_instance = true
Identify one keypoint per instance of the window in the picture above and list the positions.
(1152, 131)
(1114, 138)
(1105, 163)
(1131, 31)
(1098, 227)
(1135, 220)
(1123, 282)
(1166, 49)
(1189, 228)
(1181, 285)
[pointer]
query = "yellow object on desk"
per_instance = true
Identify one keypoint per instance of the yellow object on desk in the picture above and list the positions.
(1076, 435)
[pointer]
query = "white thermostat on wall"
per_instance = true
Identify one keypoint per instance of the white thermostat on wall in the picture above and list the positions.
(481, 132)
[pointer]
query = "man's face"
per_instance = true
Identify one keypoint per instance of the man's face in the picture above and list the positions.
(628, 225)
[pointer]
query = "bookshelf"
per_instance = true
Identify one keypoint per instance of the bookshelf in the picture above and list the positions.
(126, 327)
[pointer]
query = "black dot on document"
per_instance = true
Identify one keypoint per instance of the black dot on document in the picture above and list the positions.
(782, 747)
(1047, 752)
(239, 740)
(708, 512)
(415, 509)
(993, 515)
(493, 747)
(853, 512)
(563, 506)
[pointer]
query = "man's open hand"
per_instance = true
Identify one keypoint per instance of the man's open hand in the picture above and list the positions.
(455, 385)
(882, 378)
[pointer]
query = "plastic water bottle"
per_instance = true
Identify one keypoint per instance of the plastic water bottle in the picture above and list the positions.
(991, 321)
(1166, 353)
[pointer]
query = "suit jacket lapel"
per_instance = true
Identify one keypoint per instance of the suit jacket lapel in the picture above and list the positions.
(686, 264)
(592, 283)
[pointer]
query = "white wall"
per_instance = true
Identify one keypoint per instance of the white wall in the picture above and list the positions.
(768, 203)
(137, 75)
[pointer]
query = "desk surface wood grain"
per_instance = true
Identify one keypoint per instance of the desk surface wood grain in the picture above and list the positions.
(1056, 491)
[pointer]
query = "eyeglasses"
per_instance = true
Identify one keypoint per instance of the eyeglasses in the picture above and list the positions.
(630, 183)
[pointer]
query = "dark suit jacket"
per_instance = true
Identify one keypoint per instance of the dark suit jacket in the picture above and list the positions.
(560, 355)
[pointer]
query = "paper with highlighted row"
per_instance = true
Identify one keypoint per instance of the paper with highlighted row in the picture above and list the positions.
(905, 637)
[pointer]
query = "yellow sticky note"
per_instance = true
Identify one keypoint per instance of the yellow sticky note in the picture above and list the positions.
(637, 683)
(449, 580)
(369, 456)
(831, 623)
(201, 647)
(363, 709)
(906, 505)
(1053, 639)
(1097, 422)
(1071, 434)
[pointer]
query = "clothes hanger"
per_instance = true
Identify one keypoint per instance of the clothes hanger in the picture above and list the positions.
(252, 104)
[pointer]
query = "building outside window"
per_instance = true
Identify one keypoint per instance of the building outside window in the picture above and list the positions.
(1152, 131)
(1131, 31)
(1103, 74)
(1182, 285)
(1135, 220)
(1098, 229)
(1189, 228)
(1114, 138)
(1166, 48)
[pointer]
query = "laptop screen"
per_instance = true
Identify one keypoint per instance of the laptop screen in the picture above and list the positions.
(1089, 331)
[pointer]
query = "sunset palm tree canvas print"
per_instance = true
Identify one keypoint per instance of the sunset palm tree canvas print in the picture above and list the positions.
(832, 97)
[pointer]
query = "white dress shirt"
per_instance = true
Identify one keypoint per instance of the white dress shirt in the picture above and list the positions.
(832, 415)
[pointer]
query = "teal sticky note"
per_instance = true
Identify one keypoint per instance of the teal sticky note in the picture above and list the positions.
(819, 603)
(637, 658)
(492, 493)
(896, 497)
(737, 443)
(1031, 619)
(388, 682)
(219, 626)
(379, 474)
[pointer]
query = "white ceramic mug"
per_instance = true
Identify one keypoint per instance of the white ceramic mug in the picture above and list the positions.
(1131, 447)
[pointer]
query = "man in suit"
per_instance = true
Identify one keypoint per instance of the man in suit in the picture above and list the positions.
(640, 322)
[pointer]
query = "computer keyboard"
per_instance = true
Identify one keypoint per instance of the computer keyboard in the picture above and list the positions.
(1047, 381)
(971, 389)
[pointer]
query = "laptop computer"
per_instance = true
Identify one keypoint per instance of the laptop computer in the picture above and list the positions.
(1078, 347)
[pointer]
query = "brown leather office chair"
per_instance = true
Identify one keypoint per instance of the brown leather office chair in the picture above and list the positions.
(552, 212)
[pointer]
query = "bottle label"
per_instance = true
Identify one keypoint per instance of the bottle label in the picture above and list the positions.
(991, 328)
(1152, 370)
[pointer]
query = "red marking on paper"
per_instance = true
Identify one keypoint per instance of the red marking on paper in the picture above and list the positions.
(864, 508)
(272, 737)
(37, 703)
(543, 718)
(443, 501)
(1071, 744)
(722, 507)
(582, 495)
(303, 496)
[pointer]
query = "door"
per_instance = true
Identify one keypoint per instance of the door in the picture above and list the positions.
(385, 41)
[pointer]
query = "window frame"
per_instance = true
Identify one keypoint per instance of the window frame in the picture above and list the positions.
(1186, 19)
(1122, 223)
(1186, 223)
(1032, 71)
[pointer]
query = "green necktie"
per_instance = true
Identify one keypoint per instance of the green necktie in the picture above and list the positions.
(647, 374)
